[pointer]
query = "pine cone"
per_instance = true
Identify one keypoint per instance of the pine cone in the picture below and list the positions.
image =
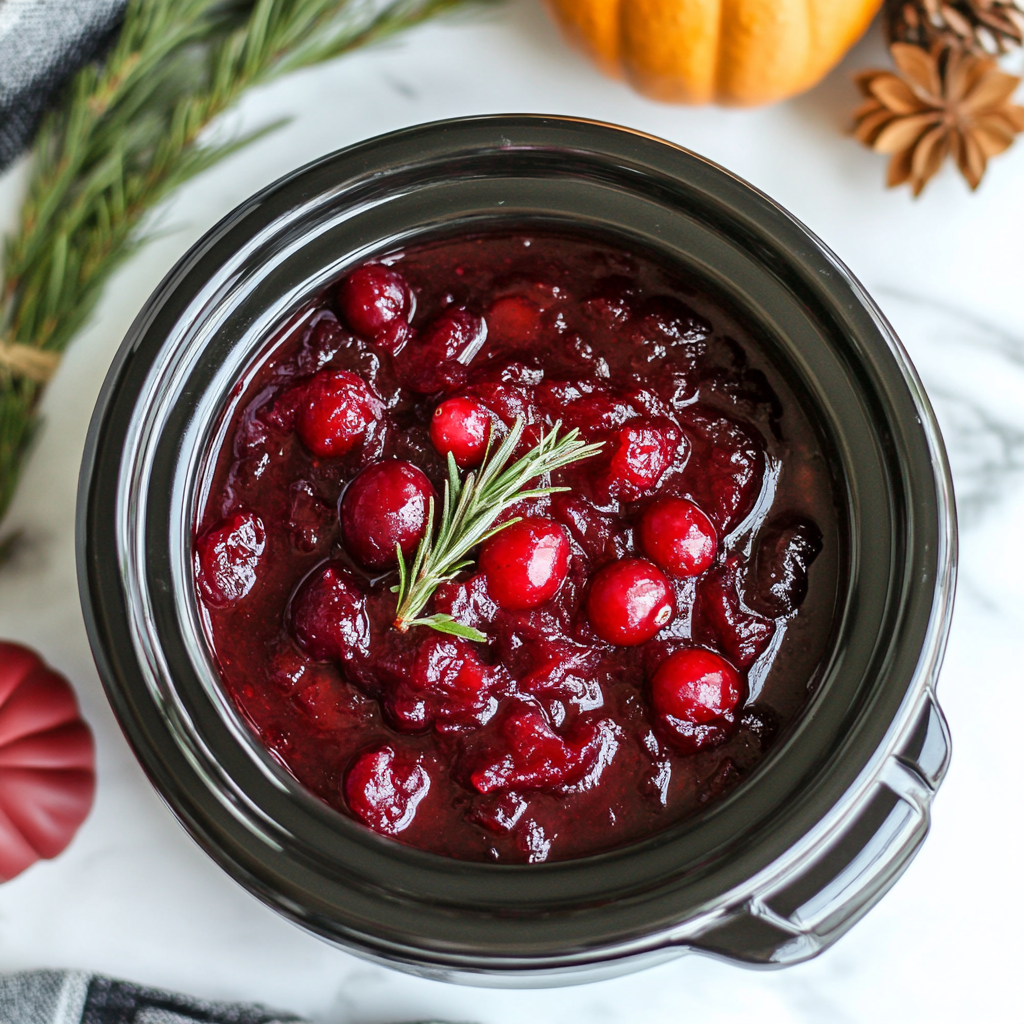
(980, 26)
(945, 102)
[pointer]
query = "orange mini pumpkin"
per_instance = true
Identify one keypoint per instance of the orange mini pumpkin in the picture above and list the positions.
(734, 52)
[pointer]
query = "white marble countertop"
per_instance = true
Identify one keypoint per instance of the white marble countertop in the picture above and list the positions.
(134, 897)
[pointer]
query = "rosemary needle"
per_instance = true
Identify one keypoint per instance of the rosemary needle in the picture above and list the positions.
(469, 511)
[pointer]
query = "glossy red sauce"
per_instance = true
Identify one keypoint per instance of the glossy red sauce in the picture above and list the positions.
(648, 632)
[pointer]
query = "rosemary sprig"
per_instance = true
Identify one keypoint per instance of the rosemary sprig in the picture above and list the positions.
(129, 132)
(468, 513)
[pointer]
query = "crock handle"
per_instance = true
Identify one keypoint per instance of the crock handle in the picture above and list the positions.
(797, 917)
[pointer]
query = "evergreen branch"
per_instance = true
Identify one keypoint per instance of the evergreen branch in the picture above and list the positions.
(128, 133)
(469, 511)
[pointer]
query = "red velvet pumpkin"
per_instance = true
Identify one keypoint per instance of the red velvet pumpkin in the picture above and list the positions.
(47, 765)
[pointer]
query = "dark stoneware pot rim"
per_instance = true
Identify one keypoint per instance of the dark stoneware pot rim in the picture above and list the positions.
(772, 874)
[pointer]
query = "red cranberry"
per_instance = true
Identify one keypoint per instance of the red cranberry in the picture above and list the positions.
(526, 563)
(677, 536)
(461, 426)
(448, 664)
(227, 558)
(329, 614)
(384, 791)
(539, 754)
(386, 505)
(335, 411)
(513, 320)
(629, 602)
(695, 685)
(372, 297)
(640, 454)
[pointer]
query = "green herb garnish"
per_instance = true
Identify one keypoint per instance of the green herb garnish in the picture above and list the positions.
(471, 506)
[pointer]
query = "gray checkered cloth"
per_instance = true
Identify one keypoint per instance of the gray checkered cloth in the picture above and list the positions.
(42, 44)
(75, 997)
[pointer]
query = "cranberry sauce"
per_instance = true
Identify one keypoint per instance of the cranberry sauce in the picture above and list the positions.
(648, 631)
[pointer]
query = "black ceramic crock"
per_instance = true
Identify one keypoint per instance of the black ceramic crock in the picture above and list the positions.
(771, 875)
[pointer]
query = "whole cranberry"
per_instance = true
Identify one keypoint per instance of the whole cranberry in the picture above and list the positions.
(328, 614)
(384, 506)
(640, 454)
(526, 563)
(227, 557)
(336, 409)
(384, 791)
(461, 426)
(629, 602)
(372, 297)
(677, 536)
(695, 685)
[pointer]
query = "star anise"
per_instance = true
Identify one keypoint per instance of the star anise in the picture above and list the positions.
(980, 26)
(942, 103)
